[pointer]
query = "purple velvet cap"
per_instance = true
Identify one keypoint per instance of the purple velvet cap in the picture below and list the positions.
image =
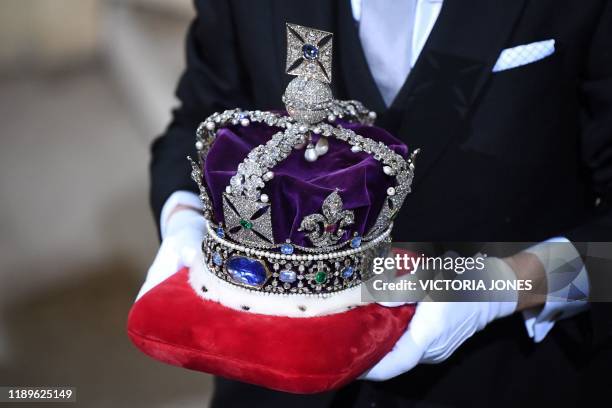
(299, 187)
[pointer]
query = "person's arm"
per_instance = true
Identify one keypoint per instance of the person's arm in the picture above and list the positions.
(213, 80)
(596, 150)
(427, 343)
(439, 328)
(560, 285)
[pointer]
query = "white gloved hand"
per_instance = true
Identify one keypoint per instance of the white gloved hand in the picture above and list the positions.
(437, 330)
(183, 235)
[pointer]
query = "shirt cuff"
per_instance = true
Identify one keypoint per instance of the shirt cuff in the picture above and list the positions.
(567, 282)
(182, 197)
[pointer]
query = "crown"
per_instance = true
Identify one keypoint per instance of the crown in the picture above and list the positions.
(267, 228)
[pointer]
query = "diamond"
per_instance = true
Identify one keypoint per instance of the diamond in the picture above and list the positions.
(287, 276)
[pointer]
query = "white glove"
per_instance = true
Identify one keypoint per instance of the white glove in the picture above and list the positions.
(183, 235)
(437, 330)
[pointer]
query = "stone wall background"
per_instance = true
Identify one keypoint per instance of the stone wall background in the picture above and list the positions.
(85, 86)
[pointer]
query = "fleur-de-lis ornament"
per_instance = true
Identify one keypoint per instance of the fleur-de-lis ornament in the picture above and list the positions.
(326, 229)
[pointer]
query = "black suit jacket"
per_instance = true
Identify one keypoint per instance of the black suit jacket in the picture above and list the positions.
(517, 155)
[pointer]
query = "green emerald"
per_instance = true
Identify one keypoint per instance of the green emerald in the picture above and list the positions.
(320, 277)
(246, 224)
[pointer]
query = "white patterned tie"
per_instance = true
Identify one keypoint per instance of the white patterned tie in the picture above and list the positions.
(385, 31)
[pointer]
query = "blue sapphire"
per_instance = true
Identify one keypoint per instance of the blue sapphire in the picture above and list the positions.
(287, 276)
(347, 272)
(247, 271)
(356, 242)
(310, 51)
(286, 249)
(220, 232)
(217, 259)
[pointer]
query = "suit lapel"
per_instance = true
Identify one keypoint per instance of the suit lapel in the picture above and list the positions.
(451, 70)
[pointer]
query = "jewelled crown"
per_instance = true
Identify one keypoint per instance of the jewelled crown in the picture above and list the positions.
(274, 186)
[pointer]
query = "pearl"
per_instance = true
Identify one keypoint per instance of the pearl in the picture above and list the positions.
(311, 154)
(210, 125)
(245, 122)
(331, 117)
(268, 176)
(228, 189)
(355, 149)
(322, 146)
(390, 191)
(372, 115)
(316, 130)
(388, 170)
(264, 198)
(199, 145)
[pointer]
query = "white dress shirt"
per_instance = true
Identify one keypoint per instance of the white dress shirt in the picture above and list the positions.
(385, 59)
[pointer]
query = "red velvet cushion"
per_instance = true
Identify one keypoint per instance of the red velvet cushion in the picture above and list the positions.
(300, 355)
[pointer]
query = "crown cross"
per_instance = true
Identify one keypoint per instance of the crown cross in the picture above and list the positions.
(309, 52)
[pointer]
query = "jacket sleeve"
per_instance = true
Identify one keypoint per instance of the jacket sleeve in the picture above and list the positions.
(596, 150)
(214, 80)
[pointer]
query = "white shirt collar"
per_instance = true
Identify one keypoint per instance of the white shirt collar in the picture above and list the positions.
(356, 7)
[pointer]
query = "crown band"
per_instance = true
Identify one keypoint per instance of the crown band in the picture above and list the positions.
(273, 272)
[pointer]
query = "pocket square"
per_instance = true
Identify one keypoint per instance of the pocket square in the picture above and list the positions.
(524, 54)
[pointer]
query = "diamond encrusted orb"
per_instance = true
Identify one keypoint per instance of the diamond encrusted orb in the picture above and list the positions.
(307, 100)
